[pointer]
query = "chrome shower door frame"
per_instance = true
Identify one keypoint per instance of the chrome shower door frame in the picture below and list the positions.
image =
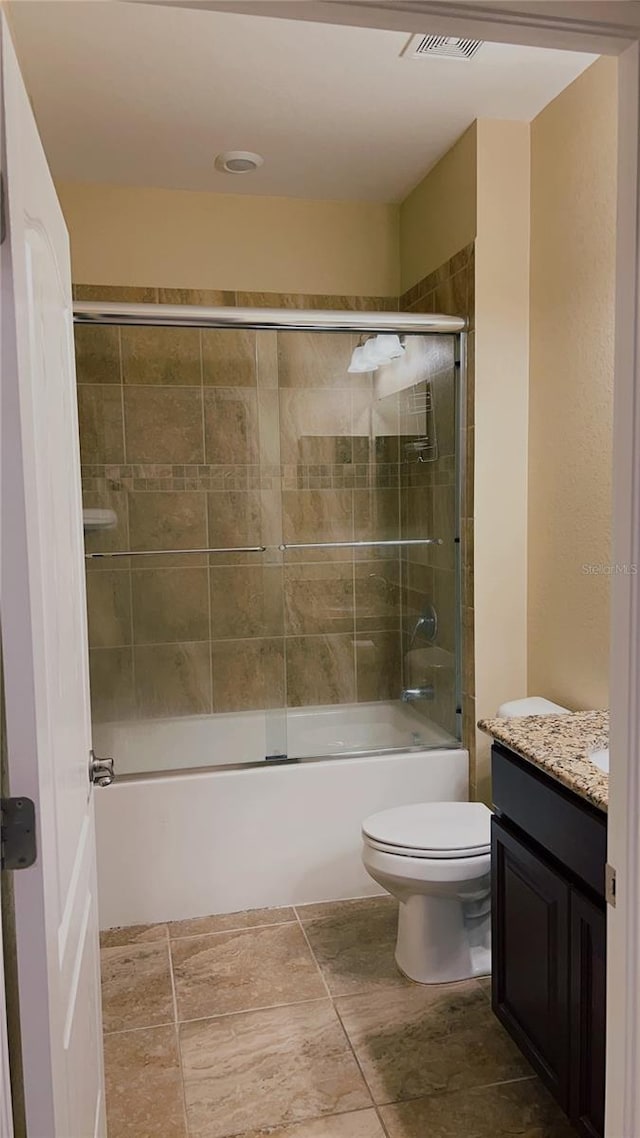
(95, 313)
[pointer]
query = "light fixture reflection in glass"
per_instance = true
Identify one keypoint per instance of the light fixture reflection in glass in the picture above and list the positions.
(359, 363)
(389, 345)
(376, 352)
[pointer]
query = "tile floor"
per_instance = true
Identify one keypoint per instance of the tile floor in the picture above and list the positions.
(295, 1023)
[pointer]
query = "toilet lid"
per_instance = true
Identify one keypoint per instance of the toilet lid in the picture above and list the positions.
(433, 829)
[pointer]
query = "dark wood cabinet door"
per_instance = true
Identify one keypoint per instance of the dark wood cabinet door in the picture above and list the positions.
(530, 915)
(588, 1014)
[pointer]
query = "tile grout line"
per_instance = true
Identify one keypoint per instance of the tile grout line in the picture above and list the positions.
(344, 1030)
(174, 996)
(358, 1064)
(203, 416)
(234, 639)
(122, 406)
(312, 953)
(263, 1133)
(383, 1125)
(135, 1030)
(183, 1095)
(239, 929)
(354, 624)
(219, 1015)
(129, 570)
(466, 1090)
(250, 1011)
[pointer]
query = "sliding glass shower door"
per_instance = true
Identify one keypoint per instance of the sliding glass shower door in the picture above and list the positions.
(369, 526)
(180, 465)
(271, 544)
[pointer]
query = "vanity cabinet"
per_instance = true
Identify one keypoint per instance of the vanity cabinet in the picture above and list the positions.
(588, 972)
(549, 933)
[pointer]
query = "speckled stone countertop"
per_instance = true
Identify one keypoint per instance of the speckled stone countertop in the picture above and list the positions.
(560, 745)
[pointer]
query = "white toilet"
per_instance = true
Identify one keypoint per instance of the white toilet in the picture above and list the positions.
(435, 858)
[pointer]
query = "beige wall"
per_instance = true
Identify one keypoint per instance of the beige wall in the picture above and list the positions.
(501, 412)
(573, 188)
(482, 189)
(438, 218)
(128, 236)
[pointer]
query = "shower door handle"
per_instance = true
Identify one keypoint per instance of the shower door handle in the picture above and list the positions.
(101, 771)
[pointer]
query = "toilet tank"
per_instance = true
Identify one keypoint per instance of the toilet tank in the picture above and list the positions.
(532, 705)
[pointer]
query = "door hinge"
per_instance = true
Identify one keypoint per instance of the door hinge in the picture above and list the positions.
(17, 833)
(610, 885)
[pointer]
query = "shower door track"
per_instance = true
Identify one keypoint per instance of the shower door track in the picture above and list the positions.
(279, 319)
(268, 761)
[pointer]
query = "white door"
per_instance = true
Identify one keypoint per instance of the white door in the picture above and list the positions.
(44, 639)
(6, 1121)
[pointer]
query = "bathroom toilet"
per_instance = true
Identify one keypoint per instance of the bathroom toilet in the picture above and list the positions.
(435, 858)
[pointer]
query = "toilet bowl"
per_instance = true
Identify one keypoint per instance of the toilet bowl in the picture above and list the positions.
(435, 858)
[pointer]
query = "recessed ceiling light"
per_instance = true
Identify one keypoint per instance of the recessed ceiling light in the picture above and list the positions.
(238, 162)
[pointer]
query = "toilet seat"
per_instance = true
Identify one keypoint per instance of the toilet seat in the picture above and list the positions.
(434, 830)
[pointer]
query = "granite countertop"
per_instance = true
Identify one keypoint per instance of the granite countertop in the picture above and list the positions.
(560, 745)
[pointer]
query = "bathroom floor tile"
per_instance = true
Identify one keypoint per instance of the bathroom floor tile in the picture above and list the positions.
(143, 1084)
(354, 944)
(350, 905)
(224, 922)
(484, 983)
(132, 934)
(267, 1069)
(427, 1040)
(136, 986)
(243, 969)
(521, 1108)
(356, 1124)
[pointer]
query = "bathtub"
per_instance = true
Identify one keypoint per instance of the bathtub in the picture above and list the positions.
(232, 836)
(150, 745)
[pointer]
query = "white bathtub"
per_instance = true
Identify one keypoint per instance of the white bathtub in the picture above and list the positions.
(214, 841)
(225, 739)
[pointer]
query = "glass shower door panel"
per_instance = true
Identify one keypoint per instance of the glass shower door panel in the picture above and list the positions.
(430, 455)
(186, 630)
(347, 441)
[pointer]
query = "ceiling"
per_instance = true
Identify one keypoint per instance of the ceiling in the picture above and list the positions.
(138, 95)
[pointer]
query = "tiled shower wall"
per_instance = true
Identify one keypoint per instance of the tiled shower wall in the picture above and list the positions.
(179, 435)
(227, 438)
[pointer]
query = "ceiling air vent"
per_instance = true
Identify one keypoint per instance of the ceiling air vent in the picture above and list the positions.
(447, 47)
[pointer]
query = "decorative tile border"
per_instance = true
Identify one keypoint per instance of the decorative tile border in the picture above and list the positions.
(155, 477)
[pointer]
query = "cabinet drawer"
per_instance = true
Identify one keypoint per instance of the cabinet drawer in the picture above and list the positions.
(571, 830)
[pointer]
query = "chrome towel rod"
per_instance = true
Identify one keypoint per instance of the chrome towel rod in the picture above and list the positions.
(173, 552)
(263, 548)
(360, 544)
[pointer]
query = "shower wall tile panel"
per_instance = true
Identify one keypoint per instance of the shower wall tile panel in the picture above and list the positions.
(161, 356)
